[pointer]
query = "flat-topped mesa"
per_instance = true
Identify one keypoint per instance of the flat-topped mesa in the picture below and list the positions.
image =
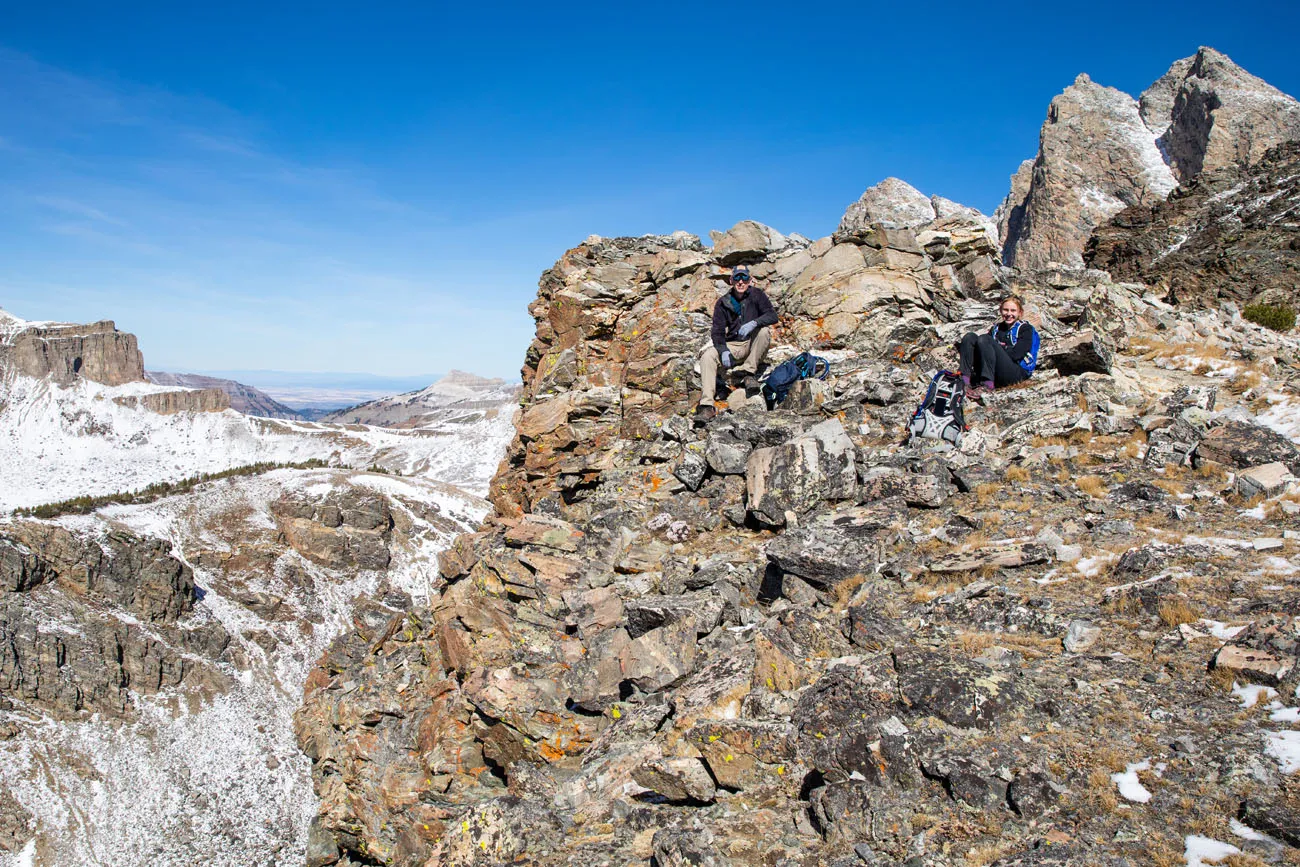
(1101, 151)
(63, 352)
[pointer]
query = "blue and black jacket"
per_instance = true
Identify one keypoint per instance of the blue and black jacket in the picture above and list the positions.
(1020, 340)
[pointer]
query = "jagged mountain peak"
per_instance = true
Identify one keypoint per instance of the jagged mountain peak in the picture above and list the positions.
(1101, 151)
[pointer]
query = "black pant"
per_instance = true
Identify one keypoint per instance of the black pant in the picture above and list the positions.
(983, 359)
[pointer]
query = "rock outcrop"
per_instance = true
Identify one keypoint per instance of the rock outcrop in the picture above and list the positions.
(1101, 151)
(1095, 157)
(64, 648)
(1221, 117)
(147, 690)
(243, 398)
(1228, 235)
(62, 352)
(785, 637)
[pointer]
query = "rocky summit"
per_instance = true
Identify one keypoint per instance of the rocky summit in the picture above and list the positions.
(1101, 151)
(790, 636)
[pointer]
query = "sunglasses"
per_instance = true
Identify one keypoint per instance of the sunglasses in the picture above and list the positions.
(740, 278)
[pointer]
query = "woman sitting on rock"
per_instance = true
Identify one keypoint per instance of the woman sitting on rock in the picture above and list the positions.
(1004, 356)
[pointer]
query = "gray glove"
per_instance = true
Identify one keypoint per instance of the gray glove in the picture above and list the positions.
(748, 328)
(726, 358)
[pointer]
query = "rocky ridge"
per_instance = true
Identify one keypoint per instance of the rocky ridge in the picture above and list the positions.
(1229, 234)
(1101, 151)
(787, 638)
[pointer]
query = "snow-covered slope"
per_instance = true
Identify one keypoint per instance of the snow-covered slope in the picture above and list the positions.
(209, 770)
(458, 397)
(219, 778)
(58, 442)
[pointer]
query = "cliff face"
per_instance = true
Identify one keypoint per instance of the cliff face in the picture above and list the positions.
(1231, 234)
(242, 398)
(98, 352)
(172, 402)
(1101, 151)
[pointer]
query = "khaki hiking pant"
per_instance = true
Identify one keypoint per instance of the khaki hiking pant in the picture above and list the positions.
(751, 352)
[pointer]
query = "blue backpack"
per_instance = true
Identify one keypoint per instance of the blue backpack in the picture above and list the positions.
(783, 377)
(1030, 361)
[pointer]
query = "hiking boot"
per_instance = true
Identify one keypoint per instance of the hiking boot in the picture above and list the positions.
(751, 384)
(704, 413)
(980, 392)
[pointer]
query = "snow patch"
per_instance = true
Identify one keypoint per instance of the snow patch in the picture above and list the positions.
(1285, 747)
(1130, 787)
(1252, 693)
(1202, 851)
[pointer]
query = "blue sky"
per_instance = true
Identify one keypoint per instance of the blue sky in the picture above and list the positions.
(377, 187)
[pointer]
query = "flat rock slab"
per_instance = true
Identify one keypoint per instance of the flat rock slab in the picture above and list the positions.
(545, 532)
(1267, 480)
(837, 545)
(1005, 556)
(1240, 444)
(959, 692)
(677, 780)
(1257, 666)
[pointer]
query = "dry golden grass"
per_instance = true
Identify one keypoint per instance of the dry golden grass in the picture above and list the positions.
(1100, 794)
(1093, 486)
(1163, 853)
(1244, 381)
(1132, 447)
(975, 643)
(1017, 474)
(1220, 679)
(845, 589)
(1149, 348)
(1211, 470)
(1260, 404)
(987, 853)
(986, 492)
(1170, 486)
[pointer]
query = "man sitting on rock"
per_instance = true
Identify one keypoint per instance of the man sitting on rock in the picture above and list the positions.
(1004, 356)
(741, 333)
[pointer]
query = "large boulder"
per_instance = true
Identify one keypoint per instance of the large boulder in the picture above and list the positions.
(790, 480)
(1242, 445)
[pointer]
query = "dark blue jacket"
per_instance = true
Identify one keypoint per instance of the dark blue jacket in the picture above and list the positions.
(731, 312)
